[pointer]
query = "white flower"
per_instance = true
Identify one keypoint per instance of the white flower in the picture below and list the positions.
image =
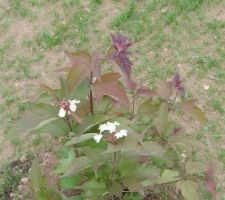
(183, 155)
(98, 138)
(109, 126)
(72, 105)
(122, 133)
(62, 112)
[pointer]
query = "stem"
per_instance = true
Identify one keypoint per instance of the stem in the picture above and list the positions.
(175, 98)
(106, 108)
(91, 96)
(70, 128)
(114, 167)
(133, 104)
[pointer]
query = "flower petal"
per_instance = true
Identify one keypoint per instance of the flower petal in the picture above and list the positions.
(62, 112)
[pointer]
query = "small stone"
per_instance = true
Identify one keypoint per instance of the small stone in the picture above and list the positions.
(23, 158)
(20, 187)
(206, 87)
(24, 180)
(12, 195)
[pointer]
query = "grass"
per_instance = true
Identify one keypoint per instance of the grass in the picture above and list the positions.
(168, 35)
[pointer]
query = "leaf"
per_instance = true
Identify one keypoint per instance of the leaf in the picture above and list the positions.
(79, 58)
(168, 176)
(188, 189)
(91, 121)
(144, 91)
(75, 77)
(109, 85)
(49, 91)
(40, 187)
(65, 164)
(164, 89)
(81, 138)
(23, 126)
(149, 108)
(54, 126)
(190, 108)
(68, 182)
(76, 117)
(177, 83)
(195, 167)
(64, 88)
(161, 121)
(94, 190)
(152, 148)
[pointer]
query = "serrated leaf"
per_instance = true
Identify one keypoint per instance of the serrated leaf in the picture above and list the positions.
(188, 189)
(190, 108)
(109, 85)
(164, 89)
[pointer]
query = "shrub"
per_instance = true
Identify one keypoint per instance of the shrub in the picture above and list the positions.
(119, 140)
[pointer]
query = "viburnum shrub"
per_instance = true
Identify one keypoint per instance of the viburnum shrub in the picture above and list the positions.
(118, 139)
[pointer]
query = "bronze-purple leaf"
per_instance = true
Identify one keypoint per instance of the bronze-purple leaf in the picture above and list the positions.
(119, 53)
(144, 91)
(109, 85)
(177, 83)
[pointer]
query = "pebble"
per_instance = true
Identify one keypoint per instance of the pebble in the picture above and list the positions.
(24, 180)
(23, 158)
(206, 87)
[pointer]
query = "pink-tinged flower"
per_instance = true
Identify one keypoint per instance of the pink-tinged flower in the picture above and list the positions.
(177, 83)
(67, 107)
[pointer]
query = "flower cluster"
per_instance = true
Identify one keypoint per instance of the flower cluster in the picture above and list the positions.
(67, 106)
(111, 128)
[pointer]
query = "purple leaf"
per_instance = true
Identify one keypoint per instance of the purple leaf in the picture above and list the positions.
(144, 91)
(177, 83)
(119, 53)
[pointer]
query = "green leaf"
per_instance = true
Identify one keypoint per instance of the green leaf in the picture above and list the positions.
(51, 92)
(75, 77)
(53, 126)
(23, 126)
(161, 122)
(188, 189)
(190, 108)
(91, 121)
(94, 190)
(195, 167)
(168, 176)
(68, 182)
(64, 88)
(149, 108)
(81, 138)
(40, 187)
(65, 164)
(152, 148)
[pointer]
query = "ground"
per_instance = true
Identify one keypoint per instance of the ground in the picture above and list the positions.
(169, 35)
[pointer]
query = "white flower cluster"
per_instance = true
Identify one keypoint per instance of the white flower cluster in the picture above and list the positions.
(67, 107)
(111, 128)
